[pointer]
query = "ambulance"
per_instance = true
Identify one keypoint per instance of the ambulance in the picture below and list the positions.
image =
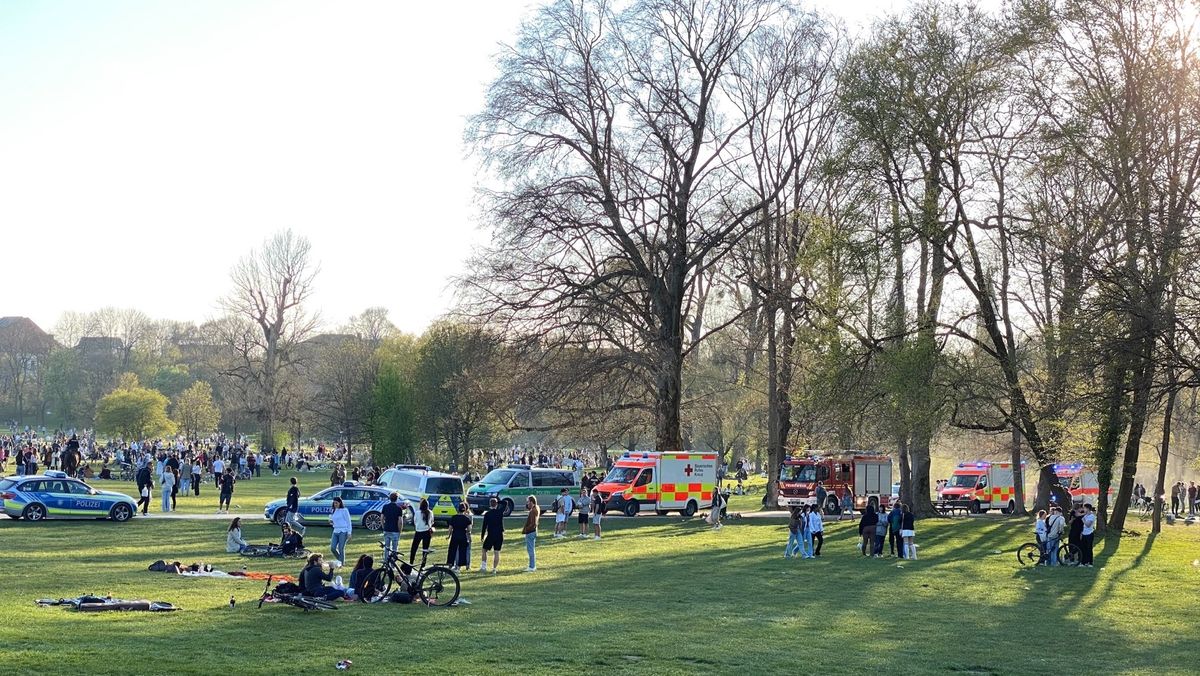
(664, 482)
(979, 486)
(1081, 481)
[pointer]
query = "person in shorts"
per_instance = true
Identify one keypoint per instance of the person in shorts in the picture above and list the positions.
(492, 534)
(585, 503)
(597, 513)
(562, 509)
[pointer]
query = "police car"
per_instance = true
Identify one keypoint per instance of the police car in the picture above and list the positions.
(365, 504)
(54, 495)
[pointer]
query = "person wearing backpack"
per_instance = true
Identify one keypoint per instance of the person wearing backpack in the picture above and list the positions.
(562, 509)
(1055, 525)
(792, 548)
(881, 529)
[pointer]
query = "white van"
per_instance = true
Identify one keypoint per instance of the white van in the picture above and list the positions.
(413, 482)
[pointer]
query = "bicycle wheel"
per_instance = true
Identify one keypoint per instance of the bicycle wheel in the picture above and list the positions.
(378, 585)
(438, 587)
(1029, 554)
(1069, 555)
(310, 603)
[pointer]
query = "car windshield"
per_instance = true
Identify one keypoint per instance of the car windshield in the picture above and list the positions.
(807, 473)
(963, 481)
(622, 475)
(498, 476)
(443, 486)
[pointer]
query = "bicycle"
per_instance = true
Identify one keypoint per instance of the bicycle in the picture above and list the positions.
(1032, 554)
(436, 586)
(127, 473)
(297, 599)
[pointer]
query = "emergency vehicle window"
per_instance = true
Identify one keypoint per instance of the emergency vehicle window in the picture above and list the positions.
(565, 479)
(56, 487)
(822, 473)
(843, 472)
(543, 479)
(982, 481)
(78, 488)
(646, 477)
(1075, 483)
(520, 480)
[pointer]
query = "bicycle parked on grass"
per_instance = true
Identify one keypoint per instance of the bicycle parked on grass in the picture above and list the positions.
(297, 599)
(436, 586)
(1033, 554)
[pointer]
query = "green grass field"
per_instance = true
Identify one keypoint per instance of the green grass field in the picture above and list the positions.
(656, 595)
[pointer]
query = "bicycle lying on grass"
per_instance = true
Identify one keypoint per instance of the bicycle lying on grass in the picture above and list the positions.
(293, 599)
(1032, 554)
(436, 586)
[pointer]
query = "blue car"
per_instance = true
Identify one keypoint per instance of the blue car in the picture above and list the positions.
(365, 504)
(54, 495)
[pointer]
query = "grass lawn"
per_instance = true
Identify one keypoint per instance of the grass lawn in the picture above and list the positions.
(656, 595)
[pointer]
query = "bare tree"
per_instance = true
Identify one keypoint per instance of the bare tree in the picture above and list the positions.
(267, 319)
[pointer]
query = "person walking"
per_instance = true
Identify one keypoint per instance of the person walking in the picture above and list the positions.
(422, 529)
(144, 500)
(529, 531)
(492, 533)
(847, 504)
(792, 548)
(393, 517)
(458, 553)
(341, 531)
(226, 481)
(293, 508)
(167, 482)
(1087, 538)
(816, 526)
(1055, 525)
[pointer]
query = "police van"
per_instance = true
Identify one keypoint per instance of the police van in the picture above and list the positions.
(413, 482)
(513, 484)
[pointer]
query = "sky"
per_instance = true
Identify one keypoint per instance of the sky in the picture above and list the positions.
(146, 145)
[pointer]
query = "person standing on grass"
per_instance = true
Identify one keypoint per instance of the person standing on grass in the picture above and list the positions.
(908, 531)
(821, 494)
(492, 533)
(1055, 525)
(226, 482)
(293, 508)
(816, 526)
(1039, 532)
(598, 508)
(714, 513)
(340, 520)
(585, 504)
(866, 529)
(562, 509)
(1087, 537)
(1075, 528)
(793, 542)
(529, 531)
(457, 554)
(393, 515)
(168, 488)
(184, 474)
(895, 542)
(881, 528)
(806, 536)
(422, 529)
(196, 470)
(218, 471)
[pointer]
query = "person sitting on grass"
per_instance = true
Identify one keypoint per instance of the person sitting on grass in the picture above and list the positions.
(313, 577)
(291, 541)
(234, 543)
(364, 567)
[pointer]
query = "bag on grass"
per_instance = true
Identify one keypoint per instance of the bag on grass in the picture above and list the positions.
(400, 597)
(287, 588)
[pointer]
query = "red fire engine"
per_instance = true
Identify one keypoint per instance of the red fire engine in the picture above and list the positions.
(867, 473)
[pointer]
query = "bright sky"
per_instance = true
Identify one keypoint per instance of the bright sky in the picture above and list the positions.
(146, 145)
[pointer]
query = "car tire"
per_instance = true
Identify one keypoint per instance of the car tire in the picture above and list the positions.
(631, 508)
(34, 512)
(279, 516)
(691, 508)
(373, 521)
(1012, 507)
(121, 512)
(873, 503)
(508, 507)
(976, 507)
(831, 506)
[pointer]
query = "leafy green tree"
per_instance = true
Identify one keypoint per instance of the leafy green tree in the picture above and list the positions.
(393, 405)
(133, 412)
(195, 412)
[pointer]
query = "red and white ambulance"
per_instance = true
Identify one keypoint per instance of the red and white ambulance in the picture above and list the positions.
(979, 486)
(682, 482)
(1081, 481)
(867, 473)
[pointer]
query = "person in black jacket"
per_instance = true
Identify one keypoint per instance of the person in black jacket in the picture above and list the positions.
(313, 579)
(291, 541)
(866, 529)
(293, 507)
(460, 539)
(908, 531)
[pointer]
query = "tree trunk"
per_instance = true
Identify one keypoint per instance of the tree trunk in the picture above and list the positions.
(1018, 472)
(1164, 453)
(1142, 382)
(669, 378)
(1110, 435)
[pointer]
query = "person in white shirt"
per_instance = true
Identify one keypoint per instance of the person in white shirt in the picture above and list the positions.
(1055, 525)
(564, 508)
(1039, 532)
(1088, 541)
(218, 470)
(816, 525)
(341, 531)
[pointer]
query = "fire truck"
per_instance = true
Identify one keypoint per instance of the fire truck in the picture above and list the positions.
(1081, 481)
(979, 486)
(867, 473)
(660, 481)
